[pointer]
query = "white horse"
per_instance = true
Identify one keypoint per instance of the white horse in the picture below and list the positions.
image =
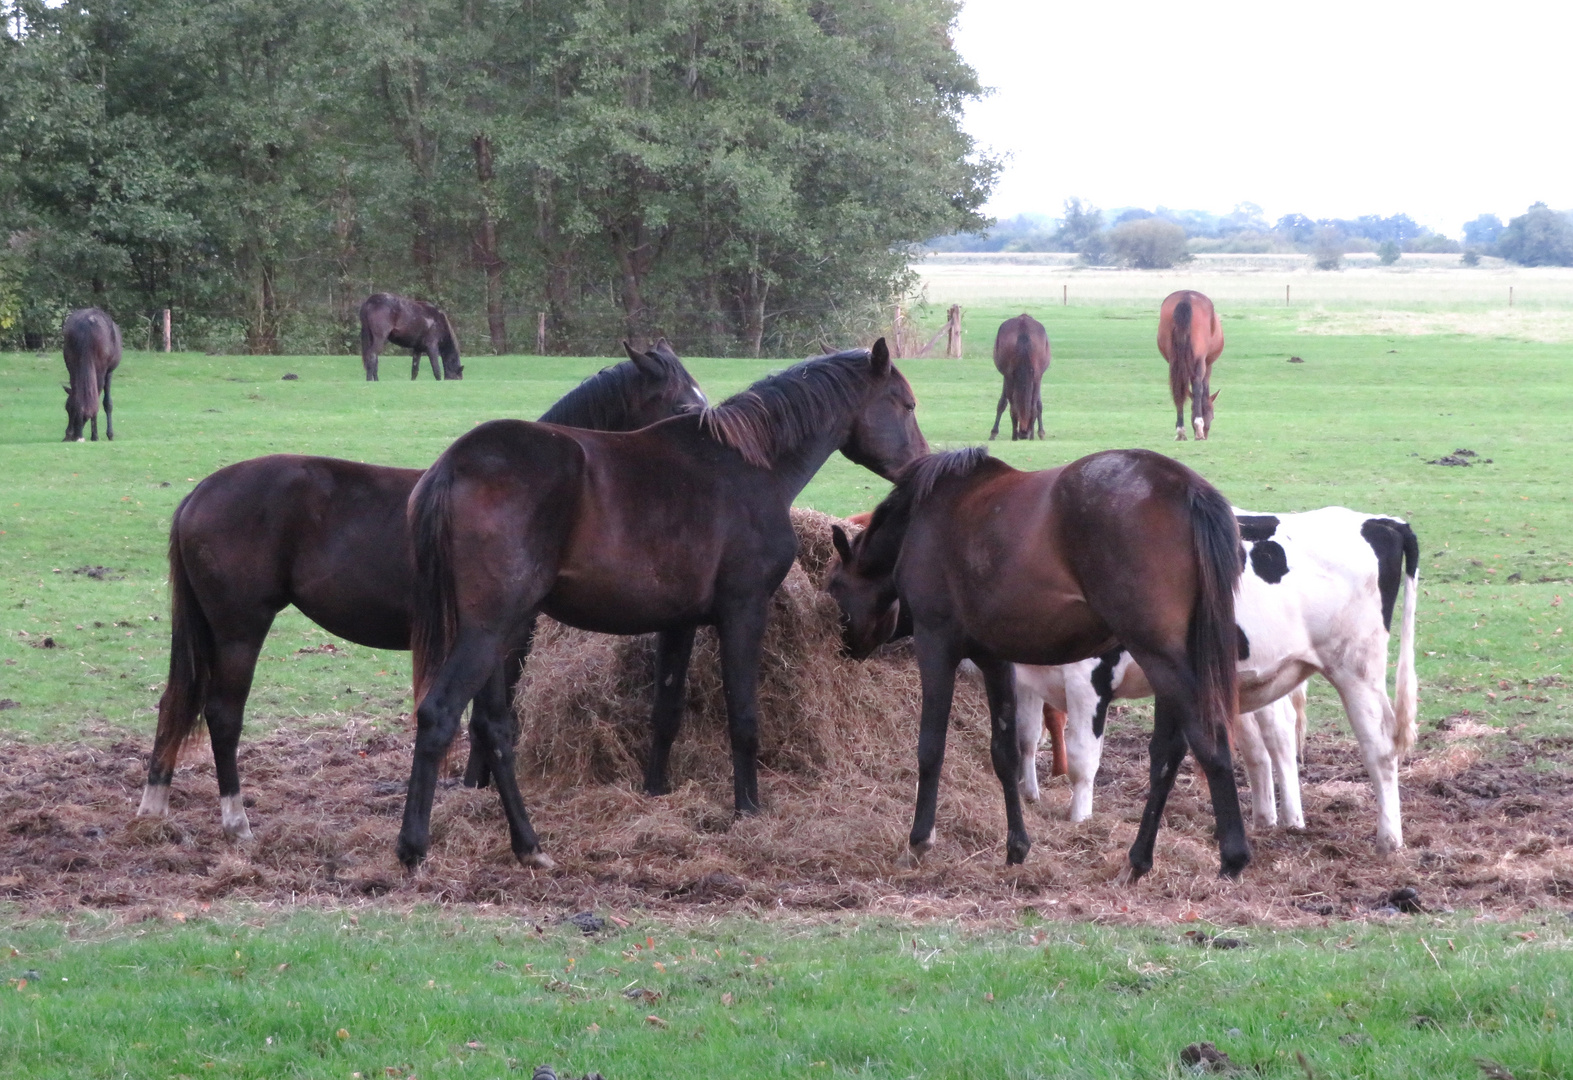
(1317, 597)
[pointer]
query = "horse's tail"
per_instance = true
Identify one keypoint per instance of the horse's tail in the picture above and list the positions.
(192, 652)
(1405, 688)
(1212, 641)
(1182, 357)
(434, 609)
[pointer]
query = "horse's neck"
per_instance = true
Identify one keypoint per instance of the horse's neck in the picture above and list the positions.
(796, 466)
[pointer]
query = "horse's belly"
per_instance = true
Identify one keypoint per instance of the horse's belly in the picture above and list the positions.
(1042, 634)
(626, 603)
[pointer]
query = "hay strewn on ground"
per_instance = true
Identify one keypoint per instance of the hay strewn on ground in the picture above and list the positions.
(1486, 829)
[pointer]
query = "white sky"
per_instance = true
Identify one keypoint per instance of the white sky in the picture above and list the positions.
(1332, 109)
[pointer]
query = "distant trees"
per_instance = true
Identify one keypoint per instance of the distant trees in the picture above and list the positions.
(1483, 232)
(1081, 231)
(1148, 243)
(740, 176)
(1539, 237)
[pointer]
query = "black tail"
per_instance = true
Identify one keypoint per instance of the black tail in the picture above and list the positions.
(1182, 358)
(434, 608)
(191, 653)
(1212, 642)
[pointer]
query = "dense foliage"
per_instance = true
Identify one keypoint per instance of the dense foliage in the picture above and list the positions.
(741, 175)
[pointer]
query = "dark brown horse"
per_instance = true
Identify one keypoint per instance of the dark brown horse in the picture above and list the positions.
(1190, 337)
(1000, 566)
(92, 348)
(1021, 355)
(683, 524)
(416, 325)
(330, 537)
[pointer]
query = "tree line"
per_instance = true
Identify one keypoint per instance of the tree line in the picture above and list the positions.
(743, 176)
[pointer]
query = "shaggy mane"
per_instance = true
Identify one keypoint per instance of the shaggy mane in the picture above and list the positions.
(782, 411)
(602, 400)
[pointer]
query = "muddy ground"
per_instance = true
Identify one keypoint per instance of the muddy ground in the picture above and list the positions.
(1488, 819)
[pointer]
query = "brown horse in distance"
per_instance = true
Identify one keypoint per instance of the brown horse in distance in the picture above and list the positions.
(682, 524)
(92, 351)
(1190, 337)
(999, 566)
(414, 324)
(1021, 355)
(330, 537)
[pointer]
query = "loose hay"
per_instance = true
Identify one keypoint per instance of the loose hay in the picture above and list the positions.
(838, 772)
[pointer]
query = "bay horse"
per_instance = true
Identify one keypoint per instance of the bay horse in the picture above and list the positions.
(92, 352)
(681, 524)
(330, 537)
(1190, 337)
(1021, 355)
(414, 324)
(999, 566)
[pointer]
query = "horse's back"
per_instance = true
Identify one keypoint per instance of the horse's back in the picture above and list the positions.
(1200, 319)
(90, 336)
(1021, 339)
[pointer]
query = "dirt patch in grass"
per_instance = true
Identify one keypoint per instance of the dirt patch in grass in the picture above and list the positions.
(1489, 818)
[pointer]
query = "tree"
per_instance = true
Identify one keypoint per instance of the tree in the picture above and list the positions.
(1483, 232)
(1327, 249)
(1148, 243)
(1540, 237)
(1388, 253)
(1081, 230)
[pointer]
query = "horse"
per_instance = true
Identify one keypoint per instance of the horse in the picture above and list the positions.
(682, 524)
(1318, 598)
(330, 537)
(1190, 337)
(414, 324)
(92, 351)
(1021, 355)
(999, 566)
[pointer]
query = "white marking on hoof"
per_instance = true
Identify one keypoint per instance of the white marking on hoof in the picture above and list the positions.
(538, 860)
(155, 801)
(1126, 876)
(232, 811)
(909, 859)
(1386, 845)
(1179, 434)
(1201, 429)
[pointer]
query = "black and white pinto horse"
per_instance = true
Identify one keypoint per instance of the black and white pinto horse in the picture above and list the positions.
(1317, 598)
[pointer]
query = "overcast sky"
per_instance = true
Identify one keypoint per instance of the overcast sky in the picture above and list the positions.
(1332, 109)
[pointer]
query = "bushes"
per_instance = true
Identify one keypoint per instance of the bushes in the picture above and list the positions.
(1327, 249)
(1148, 243)
(1388, 253)
(1540, 237)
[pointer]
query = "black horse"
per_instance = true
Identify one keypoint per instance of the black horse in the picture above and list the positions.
(92, 349)
(685, 523)
(416, 325)
(330, 537)
(999, 567)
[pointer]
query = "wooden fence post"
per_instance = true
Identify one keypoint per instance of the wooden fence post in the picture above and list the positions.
(953, 328)
(1065, 296)
(898, 334)
(167, 341)
(1510, 296)
(540, 333)
(1286, 296)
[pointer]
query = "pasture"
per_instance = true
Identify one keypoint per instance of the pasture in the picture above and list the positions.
(184, 962)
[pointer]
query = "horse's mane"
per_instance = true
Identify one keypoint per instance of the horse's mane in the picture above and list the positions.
(781, 411)
(603, 401)
(914, 484)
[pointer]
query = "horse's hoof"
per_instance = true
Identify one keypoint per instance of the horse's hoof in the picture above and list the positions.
(909, 859)
(1233, 866)
(1386, 845)
(155, 801)
(537, 860)
(1128, 875)
(410, 854)
(1016, 852)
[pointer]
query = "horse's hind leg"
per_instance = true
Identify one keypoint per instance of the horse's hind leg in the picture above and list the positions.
(234, 665)
(999, 410)
(672, 653)
(493, 714)
(999, 680)
(109, 410)
(477, 771)
(415, 363)
(742, 633)
(436, 364)
(937, 662)
(94, 421)
(1166, 750)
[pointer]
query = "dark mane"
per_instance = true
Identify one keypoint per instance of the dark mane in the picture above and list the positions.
(604, 400)
(879, 544)
(781, 411)
(921, 476)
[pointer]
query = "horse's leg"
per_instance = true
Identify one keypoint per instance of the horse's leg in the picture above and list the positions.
(477, 770)
(234, 664)
(370, 347)
(415, 363)
(492, 713)
(998, 412)
(742, 632)
(109, 410)
(672, 652)
(436, 364)
(471, 661)
(1054, 719)
(1037, 404)
(1371, 715)
(937, 662)
(1000, 682)
(94, 421)
(1179, 420)
(1165, 751)
(1083, 749)
(1278, 731)
(1029, 732)
(1254, 751)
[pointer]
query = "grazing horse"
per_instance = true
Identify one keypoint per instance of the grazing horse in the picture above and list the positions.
(1317, 598)
(1190, 337)
(683, 524)
(1021, 355)
(330, 537)
(1000, 566)
(92, 349)
(416, 325)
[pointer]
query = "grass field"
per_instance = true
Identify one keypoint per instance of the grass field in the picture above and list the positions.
(1354, 424)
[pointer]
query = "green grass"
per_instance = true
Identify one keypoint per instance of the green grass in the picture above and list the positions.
(433, 994)
(1353, 425)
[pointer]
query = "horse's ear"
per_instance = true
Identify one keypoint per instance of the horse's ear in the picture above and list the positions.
(838, 537)
(663, 349)
(643, 361)
(66, 387)
(1215, 395)
(879, 358)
